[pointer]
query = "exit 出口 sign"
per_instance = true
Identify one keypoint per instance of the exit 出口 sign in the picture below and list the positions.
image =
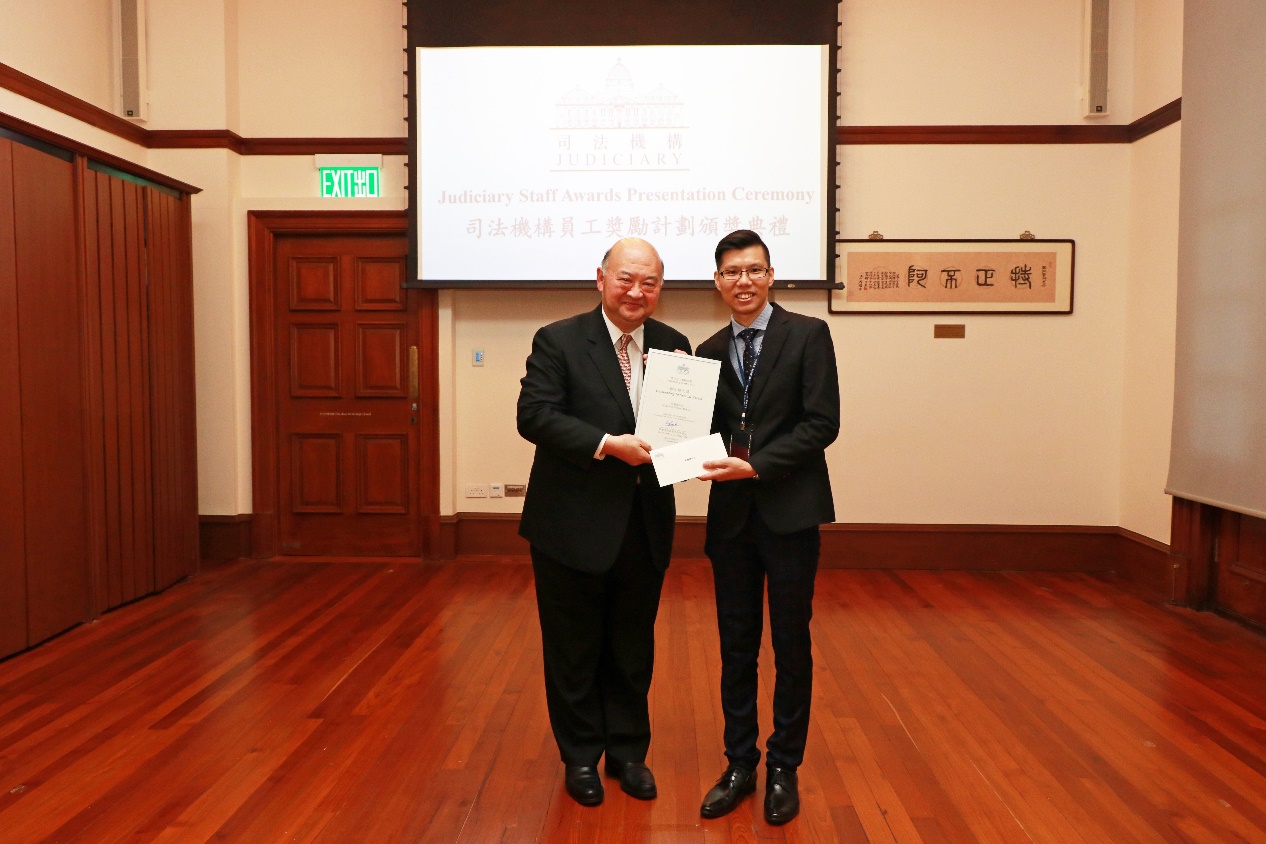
(350, 182)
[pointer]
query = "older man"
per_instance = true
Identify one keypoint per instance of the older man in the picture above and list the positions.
(599, 524)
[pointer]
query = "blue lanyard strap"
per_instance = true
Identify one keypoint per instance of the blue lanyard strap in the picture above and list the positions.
(745, 377)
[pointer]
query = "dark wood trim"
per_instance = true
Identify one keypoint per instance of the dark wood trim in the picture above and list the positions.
(70, 144)
(47, 95)
(313, 146)
(1166, 115)
(70, 105)
(226, 139)
(1012, 134)
(1142, 562)
(969, 547)
(1145, 564)
(222, 539)
(194, 139)
(1037, 134)
(263, 227)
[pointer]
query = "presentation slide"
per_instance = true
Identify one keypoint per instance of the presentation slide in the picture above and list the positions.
(531, 161)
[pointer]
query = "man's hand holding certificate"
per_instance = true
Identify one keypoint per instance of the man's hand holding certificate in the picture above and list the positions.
(675, 414)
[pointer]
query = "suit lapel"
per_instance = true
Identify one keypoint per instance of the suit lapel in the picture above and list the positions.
(770, 348)
(717, 347)
(602, 353)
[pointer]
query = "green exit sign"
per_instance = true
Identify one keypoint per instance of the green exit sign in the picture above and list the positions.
(350, 182)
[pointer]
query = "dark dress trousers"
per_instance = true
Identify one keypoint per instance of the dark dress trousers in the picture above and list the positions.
(601, 534)
(766, 528)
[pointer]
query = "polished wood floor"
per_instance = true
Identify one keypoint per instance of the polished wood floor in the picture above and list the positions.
(265, 702)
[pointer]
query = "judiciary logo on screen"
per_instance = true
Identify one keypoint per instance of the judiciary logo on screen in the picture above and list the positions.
(619, 127)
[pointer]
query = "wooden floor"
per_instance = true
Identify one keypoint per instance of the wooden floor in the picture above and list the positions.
(265, 702)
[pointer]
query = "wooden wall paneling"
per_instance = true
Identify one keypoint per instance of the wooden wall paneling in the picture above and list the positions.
(159, 288)
(142, 570)
(131, 389)
(50, 366)
(94, 386)
(1193, 533)
(99, 204)
(175, 485)
(1241, 571)
(12, 527)
(116, 216)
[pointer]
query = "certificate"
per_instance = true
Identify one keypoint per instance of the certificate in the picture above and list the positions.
(682, 461)
(678, 395)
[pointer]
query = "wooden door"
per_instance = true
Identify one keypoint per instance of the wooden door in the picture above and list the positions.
(346, 338)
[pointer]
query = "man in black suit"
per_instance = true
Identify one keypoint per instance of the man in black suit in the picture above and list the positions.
(778, 408)
(599, 524)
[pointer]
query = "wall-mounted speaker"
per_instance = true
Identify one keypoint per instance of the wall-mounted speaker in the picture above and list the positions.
(1095, 73)
(130, 44)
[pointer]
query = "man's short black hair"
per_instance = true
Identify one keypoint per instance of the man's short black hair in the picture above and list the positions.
(741, 239)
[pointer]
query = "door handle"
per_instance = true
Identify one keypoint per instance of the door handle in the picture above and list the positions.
(413, 372)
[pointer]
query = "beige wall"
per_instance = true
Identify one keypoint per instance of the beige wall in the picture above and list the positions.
(917, 62)
(67, 43)
(1029, 420)
(322, 68)
(1148, 394)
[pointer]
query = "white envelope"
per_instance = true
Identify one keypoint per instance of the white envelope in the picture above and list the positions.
(683, 461)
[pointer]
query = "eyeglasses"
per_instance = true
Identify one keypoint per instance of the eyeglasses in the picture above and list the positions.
(755, 273)
(628, 283)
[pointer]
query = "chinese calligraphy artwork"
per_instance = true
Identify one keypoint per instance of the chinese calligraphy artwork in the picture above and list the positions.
(954, 276)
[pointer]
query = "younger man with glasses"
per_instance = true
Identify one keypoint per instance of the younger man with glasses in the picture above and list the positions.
(778, 408)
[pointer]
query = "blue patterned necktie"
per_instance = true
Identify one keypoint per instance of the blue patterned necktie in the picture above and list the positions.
(748, 336)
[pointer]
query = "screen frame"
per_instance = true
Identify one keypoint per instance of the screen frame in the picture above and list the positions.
(501, 23)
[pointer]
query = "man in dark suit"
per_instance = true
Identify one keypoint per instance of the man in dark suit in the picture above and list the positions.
(599, 524)
(778, 408)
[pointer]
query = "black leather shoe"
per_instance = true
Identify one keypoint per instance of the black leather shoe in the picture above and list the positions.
(636, 780)
(583, 784)
(782, 795)
(735, 784)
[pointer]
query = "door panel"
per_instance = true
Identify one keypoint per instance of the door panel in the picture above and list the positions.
(314, 284)
(382, 483)
(318, 473)
(347, 428)
(381, 352)
(378, 285)
(314, 361)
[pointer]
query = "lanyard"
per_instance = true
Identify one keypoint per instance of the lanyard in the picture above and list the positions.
(745, 378)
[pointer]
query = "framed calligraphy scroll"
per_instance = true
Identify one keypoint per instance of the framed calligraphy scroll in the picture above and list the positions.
(953, 276)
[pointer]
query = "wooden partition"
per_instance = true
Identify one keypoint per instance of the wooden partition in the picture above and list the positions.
(173, 422)
(12, 515)
(97, 466)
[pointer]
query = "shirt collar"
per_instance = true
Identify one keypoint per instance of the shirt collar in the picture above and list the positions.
(637, 333)
(760, 323)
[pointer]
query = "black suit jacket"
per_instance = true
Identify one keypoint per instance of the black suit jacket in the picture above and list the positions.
(794, 414)
(577, 507)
